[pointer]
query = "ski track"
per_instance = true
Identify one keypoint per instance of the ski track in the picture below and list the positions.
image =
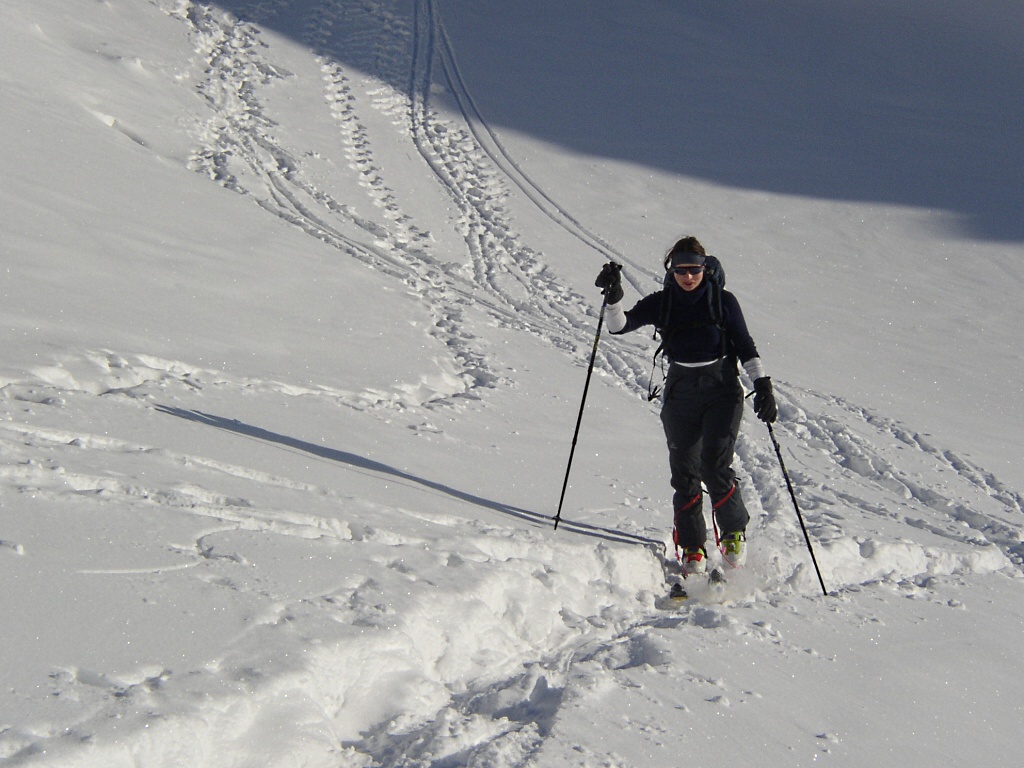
(839, 455)
(868, 456)
(504, 276)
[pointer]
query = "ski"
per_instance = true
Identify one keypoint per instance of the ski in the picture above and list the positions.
(681, 588)
(678, 593)
(716, 582)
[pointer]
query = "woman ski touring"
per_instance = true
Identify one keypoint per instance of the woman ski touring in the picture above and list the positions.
(703, 335)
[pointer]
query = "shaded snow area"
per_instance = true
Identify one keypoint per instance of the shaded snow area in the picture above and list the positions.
(297, 309)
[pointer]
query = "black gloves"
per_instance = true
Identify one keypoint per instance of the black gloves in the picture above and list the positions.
(764, 401)
(610, 281)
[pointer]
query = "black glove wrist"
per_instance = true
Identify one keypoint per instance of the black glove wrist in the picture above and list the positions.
(764, 400)
(610, 281)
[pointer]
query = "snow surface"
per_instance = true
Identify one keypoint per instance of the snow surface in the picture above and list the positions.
(297, 304)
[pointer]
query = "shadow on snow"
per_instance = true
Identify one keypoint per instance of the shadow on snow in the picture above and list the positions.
(370, 465)
(901, 104)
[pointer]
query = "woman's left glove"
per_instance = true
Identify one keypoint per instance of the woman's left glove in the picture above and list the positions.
(764, 401)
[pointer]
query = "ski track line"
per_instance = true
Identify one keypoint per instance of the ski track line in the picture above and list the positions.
(52, 480)
(106, 373)
(513, 273)
(946, 496)
(237, 151)
(475, 175)
(473, 170)
(455, 159)
(490, 142)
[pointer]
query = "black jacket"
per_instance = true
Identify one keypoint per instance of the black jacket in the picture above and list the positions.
(690, 335)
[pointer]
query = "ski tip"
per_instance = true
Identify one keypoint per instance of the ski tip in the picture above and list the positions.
(678, 592)
(716, 576)
(676, 597)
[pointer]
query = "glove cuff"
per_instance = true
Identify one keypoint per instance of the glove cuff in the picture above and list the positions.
(754, 368)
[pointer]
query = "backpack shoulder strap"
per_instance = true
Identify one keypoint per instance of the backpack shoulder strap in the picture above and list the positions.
(653, 390)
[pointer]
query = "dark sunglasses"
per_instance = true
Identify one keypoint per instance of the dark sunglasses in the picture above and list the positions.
(687, 270)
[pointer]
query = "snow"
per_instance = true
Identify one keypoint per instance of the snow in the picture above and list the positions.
(297, 305)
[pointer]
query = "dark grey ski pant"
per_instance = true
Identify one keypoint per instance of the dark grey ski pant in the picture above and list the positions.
(701, 415)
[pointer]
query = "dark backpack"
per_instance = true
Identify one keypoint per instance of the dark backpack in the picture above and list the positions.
(714, 273)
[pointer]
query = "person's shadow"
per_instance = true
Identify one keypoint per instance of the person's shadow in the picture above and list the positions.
(369, 465)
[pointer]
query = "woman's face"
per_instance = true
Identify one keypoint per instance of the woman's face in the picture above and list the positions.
(688, 276)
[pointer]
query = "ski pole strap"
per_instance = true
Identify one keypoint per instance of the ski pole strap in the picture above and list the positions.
(653, 390)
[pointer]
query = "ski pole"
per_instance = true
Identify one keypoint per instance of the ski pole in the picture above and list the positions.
(583, 402)
(792, 495)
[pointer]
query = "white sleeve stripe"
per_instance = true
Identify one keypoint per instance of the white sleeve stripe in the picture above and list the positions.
(754, 368)
(615, 316)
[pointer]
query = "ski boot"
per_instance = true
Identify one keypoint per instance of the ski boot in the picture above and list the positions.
(734, 549)
(695, 562)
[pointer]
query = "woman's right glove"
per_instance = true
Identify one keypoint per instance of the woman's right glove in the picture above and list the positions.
(764, 401)
(610, 281)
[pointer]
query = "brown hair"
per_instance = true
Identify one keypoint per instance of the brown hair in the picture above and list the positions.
(687, 244)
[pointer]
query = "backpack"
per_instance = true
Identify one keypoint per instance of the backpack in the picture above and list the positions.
(714, 273)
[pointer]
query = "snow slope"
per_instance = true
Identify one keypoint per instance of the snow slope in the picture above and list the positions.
(297, 307)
